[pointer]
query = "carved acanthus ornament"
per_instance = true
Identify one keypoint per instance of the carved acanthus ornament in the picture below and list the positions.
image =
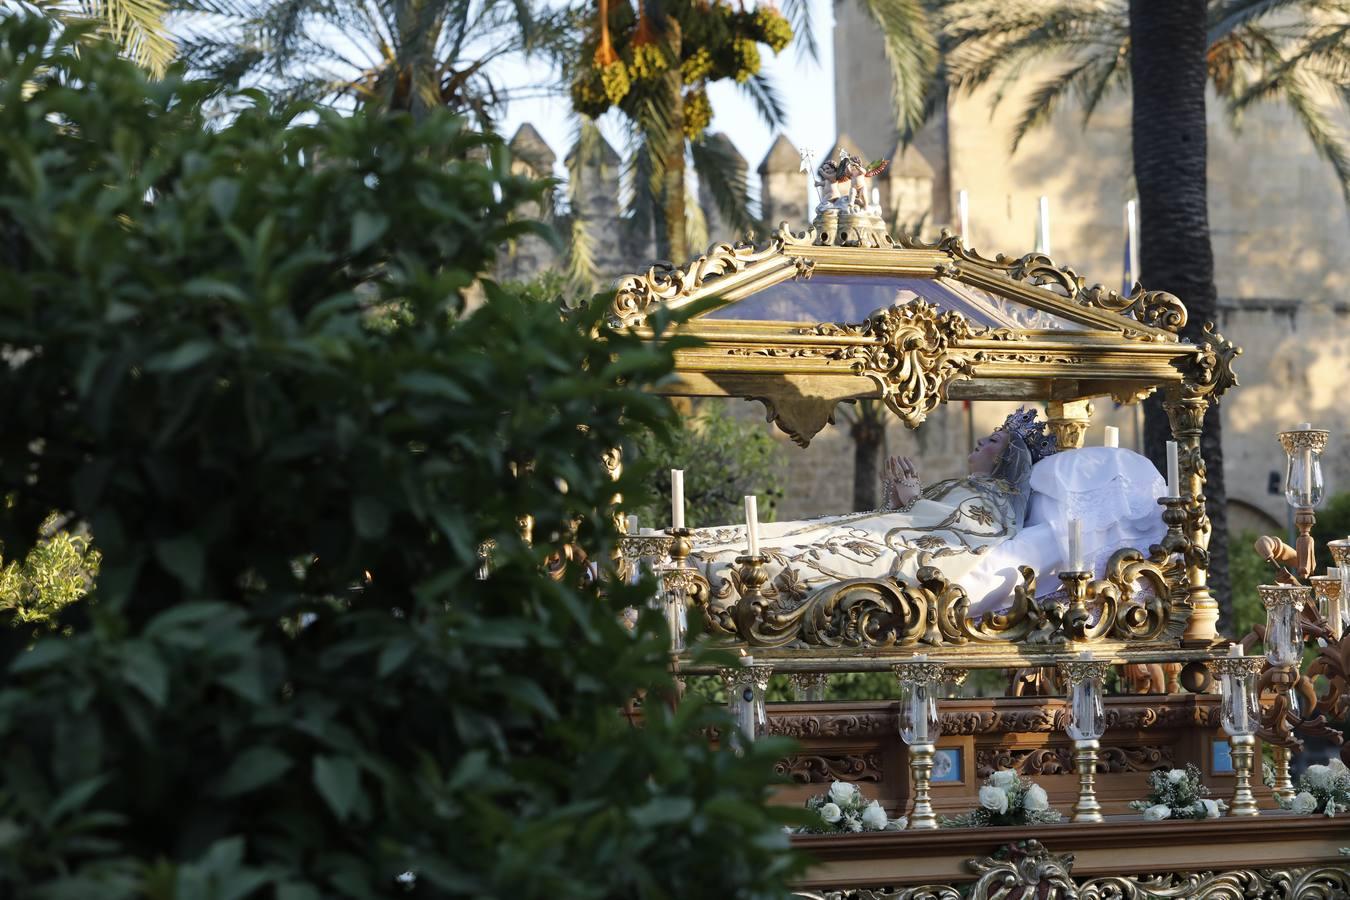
(912, 357)
(637, 295)
(1155, 309)
(821, 769)
(1322, 882)
(1059, 760)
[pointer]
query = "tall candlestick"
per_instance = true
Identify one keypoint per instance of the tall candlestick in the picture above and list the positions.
(677, 498)
(1173, 471)
(752, 523)
(1112, 437)
(1075, 545)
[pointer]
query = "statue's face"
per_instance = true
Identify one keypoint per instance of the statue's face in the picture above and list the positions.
(987, 453)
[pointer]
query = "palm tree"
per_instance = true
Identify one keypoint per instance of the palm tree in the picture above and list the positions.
(409, 55)
(137, 26)
(653, 66)
(1294, 51)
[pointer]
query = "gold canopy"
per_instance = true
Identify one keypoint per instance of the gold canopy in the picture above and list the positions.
(802, 325)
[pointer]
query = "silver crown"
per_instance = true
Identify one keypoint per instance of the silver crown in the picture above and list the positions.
(1039, 441)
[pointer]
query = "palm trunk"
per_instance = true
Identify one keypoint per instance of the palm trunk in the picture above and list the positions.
(1167, 66)
(868, 433)
(672, 200)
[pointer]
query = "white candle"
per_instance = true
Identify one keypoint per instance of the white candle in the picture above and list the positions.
(963, 205)
(1235, 650)
(1075, 545)
(747, 660)
(1173, 471)
(633, 525)
(752, 523)
(1043, 226)
(677, 498)
(1112, 437)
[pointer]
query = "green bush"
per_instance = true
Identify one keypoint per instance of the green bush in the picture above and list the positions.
(723, 458)
(293, 684)
(59, 570)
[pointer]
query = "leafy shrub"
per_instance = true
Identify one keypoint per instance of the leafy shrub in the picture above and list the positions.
(293, 684)
(724, 459)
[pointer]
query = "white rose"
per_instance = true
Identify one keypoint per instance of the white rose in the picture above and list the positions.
(874, 817)
(1338, 768)
(1319, 777)
(1303, 803)
(1035, 799)
(1176, 776)
(994, 799)
(843, 793)
(1212, 810)
(1003, 778)
(831, 813)
(1158, 813)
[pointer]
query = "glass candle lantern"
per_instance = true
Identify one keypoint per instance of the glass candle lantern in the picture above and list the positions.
(919, 681)
(746, 686)
(919, 728)
(1340, 554)
(1284, 624)
(1240, 707)
(1327, 589)
(1303, 447)
(1086, 714)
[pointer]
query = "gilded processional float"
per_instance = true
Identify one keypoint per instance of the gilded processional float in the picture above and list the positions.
(845, 312)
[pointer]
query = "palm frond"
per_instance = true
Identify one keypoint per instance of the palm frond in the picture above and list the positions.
(909, 37)
(137, 26)
(798, 13)
(587, 154)
(768, 102)
(722, 173)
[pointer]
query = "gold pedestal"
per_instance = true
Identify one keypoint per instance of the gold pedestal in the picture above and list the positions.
(1087, 809)
(921, 771)
(1284, 784)
(1243, 749)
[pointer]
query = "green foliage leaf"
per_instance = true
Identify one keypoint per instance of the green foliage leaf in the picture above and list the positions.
(339, 783)
(252, 769)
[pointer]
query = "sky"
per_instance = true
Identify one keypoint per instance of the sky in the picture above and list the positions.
(808, 83)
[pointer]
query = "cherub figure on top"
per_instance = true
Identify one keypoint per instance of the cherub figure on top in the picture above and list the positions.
(843, 183)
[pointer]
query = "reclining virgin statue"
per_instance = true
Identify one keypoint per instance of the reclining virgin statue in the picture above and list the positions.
(1012, 509)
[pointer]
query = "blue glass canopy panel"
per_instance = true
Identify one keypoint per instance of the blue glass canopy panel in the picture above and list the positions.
(852, 298)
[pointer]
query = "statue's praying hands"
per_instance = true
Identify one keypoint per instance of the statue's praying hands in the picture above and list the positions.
(900, 483)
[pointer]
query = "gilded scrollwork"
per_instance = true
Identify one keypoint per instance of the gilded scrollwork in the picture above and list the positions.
(912, 355)
(1155, 309)
(1137, 601)
(637, 295)
(1319, 882)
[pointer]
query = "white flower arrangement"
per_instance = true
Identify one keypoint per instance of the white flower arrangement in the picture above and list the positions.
(843, 809)
(1178, 794)
(1322, 789)
(1007, 798)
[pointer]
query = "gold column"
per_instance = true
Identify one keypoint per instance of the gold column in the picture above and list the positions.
(1186, 413)
(1069, 420)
